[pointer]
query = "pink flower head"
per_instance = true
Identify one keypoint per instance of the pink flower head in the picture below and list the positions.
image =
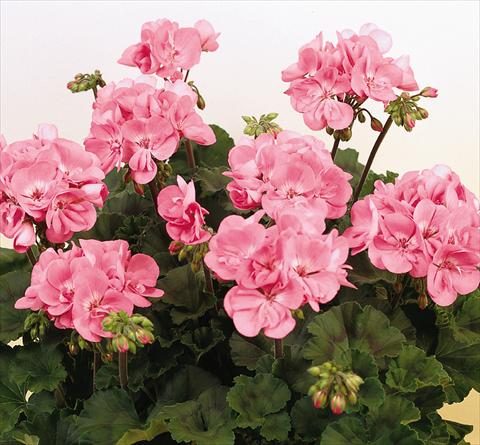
(268, 309)
(364, 217)
(314, 97)
(398, 247)
(69, 212)
(165, 48)
(208, 36)
(453, 271)
(24, 237)
(145, 140)
(176, 204)
(373, 77)
(234, 244)
(94, 300)
(141, 277)
(79, 287)
(106, 141)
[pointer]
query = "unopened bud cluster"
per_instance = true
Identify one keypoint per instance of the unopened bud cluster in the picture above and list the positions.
(129, 331)
(193, 253)
(405, 110)
(36, 324)
(419, 285)
(85, 82)
(263, 125)
(334, 387)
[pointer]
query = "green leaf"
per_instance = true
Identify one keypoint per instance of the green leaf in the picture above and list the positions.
(12, 261)
(246, 351)
(215, 155)
(13, 402)
(12, 287)
(127, 203)
(349, 326)
(292, 368)
(458, 349)
(457, 431)
(412, 370)
(363, 272)
(115, 180)
(309, 422)
(348, 430)
(105, 418)
(183, 292)
(276, 426)
(206, 421)
(185, 384)
(347, 160)
(256, 397)
(39, 366)
(153, 427)
(202, 340)
(393, 411)
(211, 180)
(371, 393)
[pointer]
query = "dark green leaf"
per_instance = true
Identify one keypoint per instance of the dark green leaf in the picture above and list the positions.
(309, 422)
(292, 368)
(106, 417)
(256, 397)
(246, 351)
(206, 421)
(211, 180)
(276, 426)
(349, 326)
(12, 287)
(202, 340)
(412, 370)
(348, 430)
(12, 261)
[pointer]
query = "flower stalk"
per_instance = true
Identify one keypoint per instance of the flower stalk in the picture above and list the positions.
(371, 157)
(123, 369)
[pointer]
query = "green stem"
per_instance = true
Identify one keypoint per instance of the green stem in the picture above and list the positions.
(371, 157)
(96, 364)
(278, 348)
(123, 369)
(31, 256)
(153, 186)
(190, 154)
(335, 148)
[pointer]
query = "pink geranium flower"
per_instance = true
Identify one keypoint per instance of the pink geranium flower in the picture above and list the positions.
(94, 300)
(106, 141)
(234, 244)
(398, 247)
(314, 97)
(268, 309)
(145, 140)
(24, 237)
(208, 36)
(176, 204)
(453, 270)
(141, 277)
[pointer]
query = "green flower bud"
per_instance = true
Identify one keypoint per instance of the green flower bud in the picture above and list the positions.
(338, 403)
(361, 117)
(320, 399)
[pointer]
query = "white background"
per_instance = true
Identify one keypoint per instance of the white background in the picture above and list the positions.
(43, 44)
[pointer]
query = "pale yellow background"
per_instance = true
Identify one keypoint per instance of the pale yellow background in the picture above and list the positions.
(43, 44)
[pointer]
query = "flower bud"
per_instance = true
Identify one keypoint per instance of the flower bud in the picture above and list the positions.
(361, 117)
(423, 112)
(422, 301)
(144, 337)
(329, 130)
(175, 247)
(320, 399)
(201, 102)
(352, 397)
(139, 188)
(315, 370)
(271, 116)
(429, 92)
(73, 349)
(120, 343)
(338, 403)
(346, 134)
(376, 125)
(409, 120)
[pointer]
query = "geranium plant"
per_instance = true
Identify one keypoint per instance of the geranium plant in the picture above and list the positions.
(169, 285)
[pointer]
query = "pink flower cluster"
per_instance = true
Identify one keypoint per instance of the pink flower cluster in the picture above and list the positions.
(167, 50)
(326, 76)
(177, 205)
(287, 170)
(78, 288)
(426, 224)
(134, 122)
(277, 269)
(50, 181)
